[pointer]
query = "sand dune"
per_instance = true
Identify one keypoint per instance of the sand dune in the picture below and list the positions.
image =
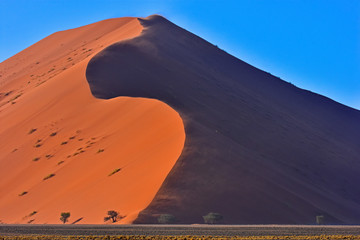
(51, 124)
(258, 150)
(94, 119)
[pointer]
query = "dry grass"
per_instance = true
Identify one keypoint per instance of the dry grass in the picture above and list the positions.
(115, 171)
(53, 134)
(32, 130)
(187, 237)
(23, 193)
(33, 213)
(49, 176)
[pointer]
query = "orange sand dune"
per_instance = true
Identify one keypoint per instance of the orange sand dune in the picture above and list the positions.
(258, 150)
(51, 124)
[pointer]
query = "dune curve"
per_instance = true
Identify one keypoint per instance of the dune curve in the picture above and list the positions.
(258, 150)
(62, 150)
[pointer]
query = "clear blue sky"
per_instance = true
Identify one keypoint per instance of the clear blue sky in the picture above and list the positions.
(314, 44)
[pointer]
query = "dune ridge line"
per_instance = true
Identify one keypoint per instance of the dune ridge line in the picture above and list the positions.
(258, 150)
(67, 151)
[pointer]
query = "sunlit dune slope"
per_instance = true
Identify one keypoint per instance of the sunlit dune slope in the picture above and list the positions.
(258, 149)
(63, 150)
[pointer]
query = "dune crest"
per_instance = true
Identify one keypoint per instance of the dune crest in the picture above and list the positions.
(62, 150)
(258, 150)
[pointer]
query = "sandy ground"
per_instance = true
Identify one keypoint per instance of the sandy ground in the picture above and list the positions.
(195, 230)
(63, 150)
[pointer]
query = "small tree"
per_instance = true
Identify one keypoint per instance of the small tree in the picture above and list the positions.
(64, 217)
(166, 219)
(212, 218)
(113, 215)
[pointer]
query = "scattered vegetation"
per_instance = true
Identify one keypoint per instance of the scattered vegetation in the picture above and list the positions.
(73, 137)
(53, 134)
(64, 217)
(213, 218)
(115, 171)
(63, 143)
(320, 219)
(100, 150)
(23, 193)
(49, 176)
(178, 237)
(61, 162)
(113, 216)
(36, 159)
(33, 213)
(78, 151)
(38, 84)
(37, 145)
(8, 93)
(49, 156)
(166, 219)
(32, 130)
(16, 97)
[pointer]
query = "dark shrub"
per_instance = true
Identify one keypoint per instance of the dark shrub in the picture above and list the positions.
(320, 219)
(212, 218)
(64, 217)
(166, 219)
(113, 216)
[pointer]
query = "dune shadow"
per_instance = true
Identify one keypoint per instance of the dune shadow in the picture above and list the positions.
(256, 146)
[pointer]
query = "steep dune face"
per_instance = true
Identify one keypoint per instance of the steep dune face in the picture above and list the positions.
(257, 150)
(62, 150)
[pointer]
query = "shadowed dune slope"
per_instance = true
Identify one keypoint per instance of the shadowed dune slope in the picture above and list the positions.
(258, 150)
(62, 150)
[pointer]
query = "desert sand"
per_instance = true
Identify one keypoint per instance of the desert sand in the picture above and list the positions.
(118, 97)
(258, 150)
(50, 123)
